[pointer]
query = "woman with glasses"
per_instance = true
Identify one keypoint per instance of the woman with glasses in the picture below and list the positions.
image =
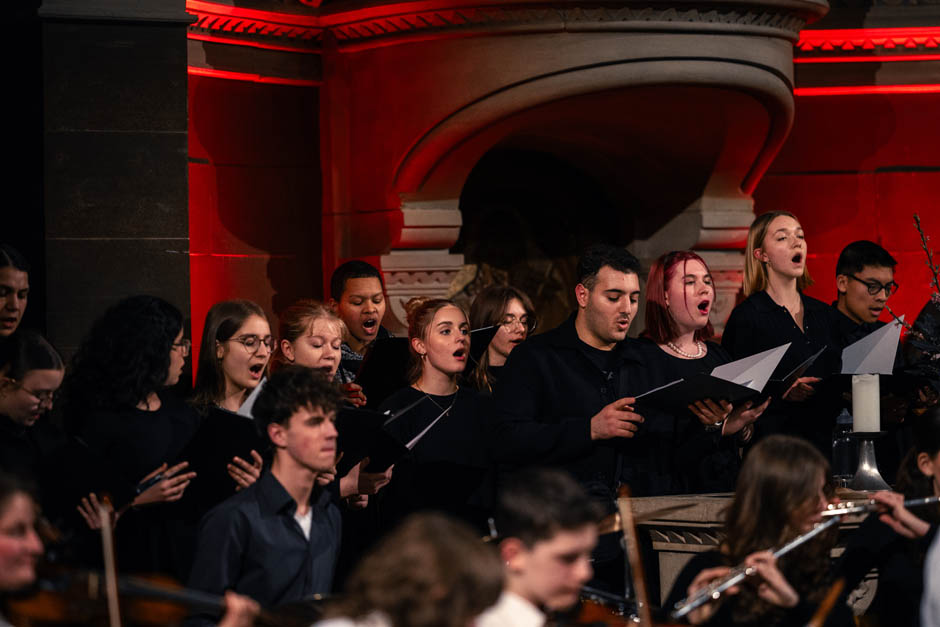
(119, 404)
(512, 310)
(233, 358)
(31, 372)
(776, 311)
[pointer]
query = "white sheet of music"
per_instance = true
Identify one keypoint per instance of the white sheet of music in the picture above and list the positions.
(874, 353)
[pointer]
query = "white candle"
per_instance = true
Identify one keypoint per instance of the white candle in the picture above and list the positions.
(866, 403)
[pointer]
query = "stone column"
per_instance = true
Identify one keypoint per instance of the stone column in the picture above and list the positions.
(419, 263)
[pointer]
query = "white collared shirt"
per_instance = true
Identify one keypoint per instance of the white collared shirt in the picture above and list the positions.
(511, 611)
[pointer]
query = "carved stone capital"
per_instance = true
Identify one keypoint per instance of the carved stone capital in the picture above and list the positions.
(411, 273)
(429, 224)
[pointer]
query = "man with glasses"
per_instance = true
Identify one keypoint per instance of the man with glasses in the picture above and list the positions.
(865, 281)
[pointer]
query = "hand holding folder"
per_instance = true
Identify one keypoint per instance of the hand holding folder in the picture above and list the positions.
(734, 382)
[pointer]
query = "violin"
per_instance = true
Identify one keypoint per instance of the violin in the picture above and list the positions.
(64, 596)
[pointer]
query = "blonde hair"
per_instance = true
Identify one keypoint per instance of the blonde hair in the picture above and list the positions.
(755, 271)
(297, 319)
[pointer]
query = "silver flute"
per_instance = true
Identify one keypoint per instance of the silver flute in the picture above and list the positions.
(714, 591)
(871, 505)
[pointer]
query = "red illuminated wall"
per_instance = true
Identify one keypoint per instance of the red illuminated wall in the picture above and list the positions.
(254, 194)
(858, 167)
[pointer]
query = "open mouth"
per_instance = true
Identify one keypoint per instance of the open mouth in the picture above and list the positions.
(256, 370)
(797, 258)
(370, 323)
(460, 353)
(703, 306)
(8, 321)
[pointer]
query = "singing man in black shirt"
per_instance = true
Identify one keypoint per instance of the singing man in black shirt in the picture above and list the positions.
(277, 540)
(560, 400)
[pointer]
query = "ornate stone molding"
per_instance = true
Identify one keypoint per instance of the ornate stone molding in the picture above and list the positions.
(758, 20)
(874, 42)
(382, 24)
(416, 272)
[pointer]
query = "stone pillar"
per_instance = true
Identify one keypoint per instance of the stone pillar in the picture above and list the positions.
(115, 134)
(419, 263)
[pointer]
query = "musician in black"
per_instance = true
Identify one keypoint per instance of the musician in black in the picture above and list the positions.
(448, 468)
(781, 493)
(693, 450)
(561, 400)
(897, 544)
(776, 311)
(119, 402)
(357, 295)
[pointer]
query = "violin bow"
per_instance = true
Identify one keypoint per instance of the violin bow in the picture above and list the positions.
(110, 568)
(634, 558)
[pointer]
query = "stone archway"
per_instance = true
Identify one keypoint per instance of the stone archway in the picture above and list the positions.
(676, 112)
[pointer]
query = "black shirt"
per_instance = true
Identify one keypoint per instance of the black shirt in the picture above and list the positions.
(449, 469)
(127, 445)
(549, 390)
(758, 324)
(252, 544)
(686, 456)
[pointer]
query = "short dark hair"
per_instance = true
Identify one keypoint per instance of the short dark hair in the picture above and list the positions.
(354, 269)
(857, 255)
(289, 389)
(599, 255)
(11, 257)
(536, 503)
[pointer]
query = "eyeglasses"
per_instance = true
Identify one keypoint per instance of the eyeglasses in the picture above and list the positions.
(252, 343)
(510, 321)
(43, 396)
(185, 347)
(874, 286)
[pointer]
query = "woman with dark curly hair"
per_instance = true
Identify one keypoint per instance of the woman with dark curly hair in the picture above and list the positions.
(233, 358)
(116, 402)
(512, 310)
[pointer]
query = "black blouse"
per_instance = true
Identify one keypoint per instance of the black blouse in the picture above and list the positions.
(684, 455)
(449, 469)
(758, 324)
(128, 445)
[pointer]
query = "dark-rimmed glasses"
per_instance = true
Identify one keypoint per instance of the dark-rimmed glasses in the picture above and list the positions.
(252, 343)
(875, 286)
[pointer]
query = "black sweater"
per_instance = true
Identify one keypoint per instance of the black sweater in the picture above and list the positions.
(449, 469)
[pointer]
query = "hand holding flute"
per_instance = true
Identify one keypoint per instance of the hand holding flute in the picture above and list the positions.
(773, 587)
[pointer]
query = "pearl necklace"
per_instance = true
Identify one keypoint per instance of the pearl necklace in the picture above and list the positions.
(679, 351)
